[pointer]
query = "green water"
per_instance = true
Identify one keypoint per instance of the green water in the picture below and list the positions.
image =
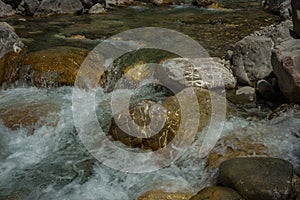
(216, 30)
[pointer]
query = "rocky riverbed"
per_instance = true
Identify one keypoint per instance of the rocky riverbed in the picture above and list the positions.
(224, 125)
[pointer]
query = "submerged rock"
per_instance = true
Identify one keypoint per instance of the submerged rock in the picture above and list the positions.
(258, 178)
(280, 7)
(217, 193)
(52, 67)
(161, 195)
(286, 66)
(251, 60)
(142, 112)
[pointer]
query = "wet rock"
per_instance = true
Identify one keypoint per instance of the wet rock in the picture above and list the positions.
(9, 40)
(161, 195)
(97, 9)
(243, 95)
(286, 66)
(60, 7)
(233, 146)
(258, 178)
(202, 72)
(87, 4)
(296, 16)
(251, 60)
(29, 115)
(266, 90)
(6, 10)
(204, 3)
(119, 2)
(166, 129)
(9, 68)
(163, 2)
(52, 67)
(216, 193)
(280, 7)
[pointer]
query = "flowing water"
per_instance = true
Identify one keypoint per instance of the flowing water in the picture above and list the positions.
(49, 161)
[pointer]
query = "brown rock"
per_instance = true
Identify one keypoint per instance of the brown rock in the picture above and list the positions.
(52, 67)
(29, 115)
(161, 195)
(141, 113)
(217, 193)
(204, 3)
(258, 178)
(9, 67)
(233, 146)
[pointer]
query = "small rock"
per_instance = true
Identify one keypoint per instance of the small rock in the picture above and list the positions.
(244, 95)
(217, 193)
(204, 3)
(162, 2)
(30, 6)
(258, 178)
(251, 60)
(161, 195)
(97, 9)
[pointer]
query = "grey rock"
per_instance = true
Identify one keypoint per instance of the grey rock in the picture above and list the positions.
(286, 66)
(280, 7)
(258, 178)
(6, 9)
(28, 7)
(9, 40)
(201, 72)
(251, 60)
(60, 7)
(87, 4)
(217, 192)
(97, 9)
(296, 16)
(245, 95)
(13, 3)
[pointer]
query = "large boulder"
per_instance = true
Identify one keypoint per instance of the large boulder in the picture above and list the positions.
(296, 16)
(60, 7)
(9, 40)
(251, 60)
(258, 178)
(286, 66)
(52, 67)
(216, 193)
(6, 9)
(280, 7)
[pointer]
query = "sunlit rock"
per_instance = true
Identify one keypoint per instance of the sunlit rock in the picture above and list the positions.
(161, 195)
(216, 193)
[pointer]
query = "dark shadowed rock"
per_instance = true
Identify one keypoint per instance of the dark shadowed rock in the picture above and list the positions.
(251, 60)
(30, 6)
(13, 3)
(258, 178)
(296, 16)
(217, 193)
(60, 7)
(6, 9)
(286, 66)
(280, 7)
(204, 3)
